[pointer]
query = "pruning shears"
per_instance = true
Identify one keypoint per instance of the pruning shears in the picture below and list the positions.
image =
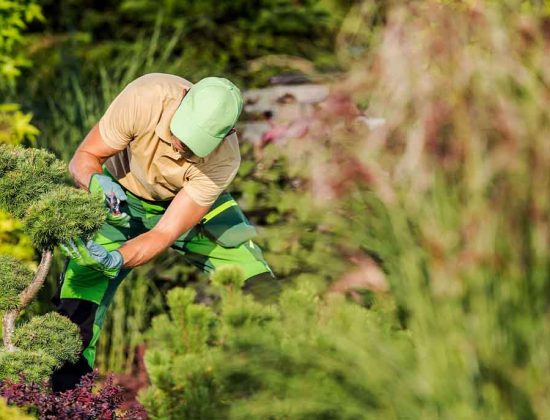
(114, 204)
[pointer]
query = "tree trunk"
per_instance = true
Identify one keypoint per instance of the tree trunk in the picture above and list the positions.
(8, 323)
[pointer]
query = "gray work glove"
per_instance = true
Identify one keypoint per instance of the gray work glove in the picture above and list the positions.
(94, 256)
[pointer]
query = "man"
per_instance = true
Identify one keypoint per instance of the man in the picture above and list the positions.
(162, 156)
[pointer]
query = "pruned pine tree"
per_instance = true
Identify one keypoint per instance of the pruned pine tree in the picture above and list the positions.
(32, 189)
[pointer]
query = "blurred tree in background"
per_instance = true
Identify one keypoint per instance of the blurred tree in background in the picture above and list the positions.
(15, 16)
(210, 37)
(306, 358)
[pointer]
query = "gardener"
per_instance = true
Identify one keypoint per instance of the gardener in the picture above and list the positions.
(162, 156)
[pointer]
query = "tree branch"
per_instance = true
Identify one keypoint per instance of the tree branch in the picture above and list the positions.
(8, 323)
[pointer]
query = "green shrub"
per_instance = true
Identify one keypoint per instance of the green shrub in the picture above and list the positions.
(14, 278)
(307, 358)
(179, 363)
(15, 17)
(63, 214)
(31, 187)
(35, 366)
(26, 174)
(51, 333)
(320, 358)
(231, 276)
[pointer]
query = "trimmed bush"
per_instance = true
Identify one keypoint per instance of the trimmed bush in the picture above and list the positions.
(14, 278)
(31, 187)
(26, 174)
(63, 214)
(52, 333)
(35, 366)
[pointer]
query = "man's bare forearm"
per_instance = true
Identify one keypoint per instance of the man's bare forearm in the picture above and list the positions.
(144, 248)
(82, 166)
(89, 157)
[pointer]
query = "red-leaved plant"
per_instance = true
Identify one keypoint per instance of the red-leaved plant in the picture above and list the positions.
(85, 402)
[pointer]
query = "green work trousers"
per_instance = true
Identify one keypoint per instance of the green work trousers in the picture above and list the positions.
(85, 294)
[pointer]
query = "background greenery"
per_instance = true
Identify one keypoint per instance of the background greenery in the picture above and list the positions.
(83, 54)
(415, 256)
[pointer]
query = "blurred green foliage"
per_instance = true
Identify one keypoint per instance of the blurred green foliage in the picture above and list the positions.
(296, 237)
(140, 296)
(15, 125)
(212, 37)
(15, 16)
(12, 413)
(13, 241)
(307, 357)
(447, 203)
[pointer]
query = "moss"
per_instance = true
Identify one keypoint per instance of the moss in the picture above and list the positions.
(63, 214)
(51, 333)
(14, 278)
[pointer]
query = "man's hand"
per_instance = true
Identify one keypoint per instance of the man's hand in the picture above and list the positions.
(94, 256)
(114, 194)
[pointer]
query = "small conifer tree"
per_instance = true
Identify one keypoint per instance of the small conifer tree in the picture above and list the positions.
(32, 189)
(307, 357)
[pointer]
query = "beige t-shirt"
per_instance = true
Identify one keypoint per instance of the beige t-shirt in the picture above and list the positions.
(138, 124)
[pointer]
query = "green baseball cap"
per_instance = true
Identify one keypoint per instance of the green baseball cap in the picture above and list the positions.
(206, 114)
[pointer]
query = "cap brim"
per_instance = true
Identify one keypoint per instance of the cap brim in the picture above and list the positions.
(182, 126)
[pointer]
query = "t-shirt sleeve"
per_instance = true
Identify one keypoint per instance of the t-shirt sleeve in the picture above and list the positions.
(117, 124)
(205, 184)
